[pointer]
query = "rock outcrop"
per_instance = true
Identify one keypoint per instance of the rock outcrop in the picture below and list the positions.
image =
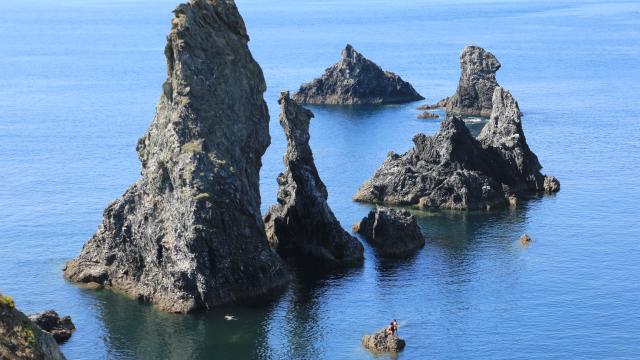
(393, 232)
(189, 234)
(453, 170)
(302, 224)
(383, 342)
(60, 328)
(21, 339)
(473, 96)
(356, 80)
(428, 115)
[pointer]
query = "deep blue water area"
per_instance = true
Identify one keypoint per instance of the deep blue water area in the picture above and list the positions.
(80, 79)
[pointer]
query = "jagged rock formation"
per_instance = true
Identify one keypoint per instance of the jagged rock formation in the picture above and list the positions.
(473, 96)
(393, 232)
(21, 339)
(356, 80)
(453, 170)
(302, 224)
(60, 328)
(383, 342)
(189, 234)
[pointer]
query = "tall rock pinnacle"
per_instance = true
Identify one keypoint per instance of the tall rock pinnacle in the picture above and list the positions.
(189, 234)
(356, 80)
(478, 69)
(302, 224)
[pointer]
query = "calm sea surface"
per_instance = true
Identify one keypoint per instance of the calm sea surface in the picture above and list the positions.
(80, 80)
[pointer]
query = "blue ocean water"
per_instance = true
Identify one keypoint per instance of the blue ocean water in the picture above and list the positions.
(80, 79)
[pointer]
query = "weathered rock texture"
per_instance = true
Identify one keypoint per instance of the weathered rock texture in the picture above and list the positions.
(21, 339)
(356, 80)
(302, 224)
(189, 234)
(393, 232)
(453, 170)
(60, 328)
(477, 81)
(383, 342)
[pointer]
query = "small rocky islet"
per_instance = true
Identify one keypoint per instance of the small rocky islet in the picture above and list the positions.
(395, 233)
(356, 80)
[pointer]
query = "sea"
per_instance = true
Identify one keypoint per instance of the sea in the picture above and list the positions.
(79, 83)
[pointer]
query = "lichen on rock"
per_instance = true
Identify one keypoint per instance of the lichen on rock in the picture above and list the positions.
(21, 339)
(302, 224)
(356, 80)
(189, 234)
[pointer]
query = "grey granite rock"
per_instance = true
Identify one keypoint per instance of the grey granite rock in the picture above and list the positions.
(356, 80)
(60, 328)
(382, 342)
(189, 234)
(302, 224)
(394, 233)
(453, 170)
(473, 96)
(21, 339)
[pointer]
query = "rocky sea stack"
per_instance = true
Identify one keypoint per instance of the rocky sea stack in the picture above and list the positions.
(189, 234)
(21, 339)
(302, 224)
(394, 233)
(356, 80)
(473, 96)
(454, 170)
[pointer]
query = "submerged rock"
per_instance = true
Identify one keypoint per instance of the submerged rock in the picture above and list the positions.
(302, 224)
(356, 80)
(60, 328)
(392, 232)
(383, 342)
(21, 339)
(453, 170)
(189, 234)
(473, 96)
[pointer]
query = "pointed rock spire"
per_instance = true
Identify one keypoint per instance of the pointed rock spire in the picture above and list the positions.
(302, 224)
(189, 234)
(473, 96)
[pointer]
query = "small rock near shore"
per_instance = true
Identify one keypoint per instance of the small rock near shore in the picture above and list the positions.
(60, 328)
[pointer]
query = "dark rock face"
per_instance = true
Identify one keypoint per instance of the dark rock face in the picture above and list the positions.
(60, 328)
(356, 80)
(189, 234)
(453, 170)
(302, 224)
(477, 81)
(382, 342)
(21, 339)
(393, 232)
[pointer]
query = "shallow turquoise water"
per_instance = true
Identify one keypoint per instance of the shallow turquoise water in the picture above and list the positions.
(80, 80)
